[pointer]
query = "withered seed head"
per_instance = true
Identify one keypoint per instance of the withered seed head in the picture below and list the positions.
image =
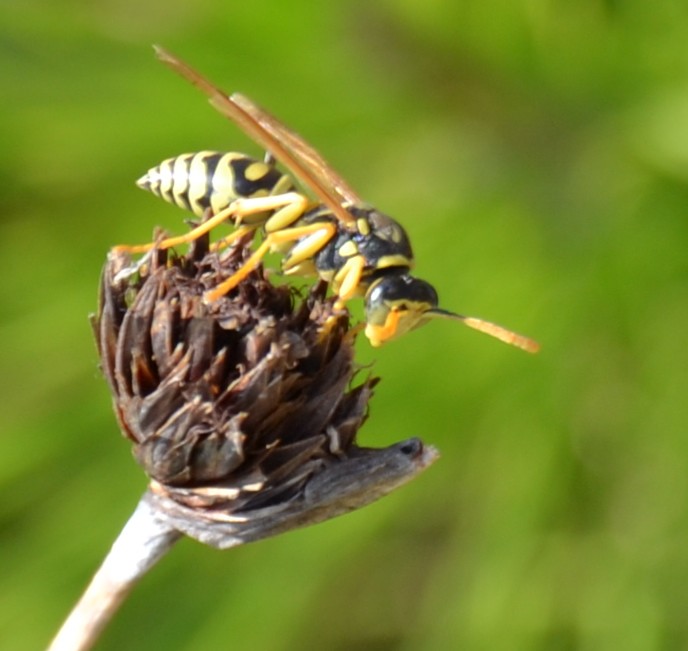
(241, 411)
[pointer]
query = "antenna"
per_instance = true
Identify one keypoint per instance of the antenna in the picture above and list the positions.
(492, 329)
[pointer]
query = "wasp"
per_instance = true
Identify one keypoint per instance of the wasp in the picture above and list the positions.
(337, 236)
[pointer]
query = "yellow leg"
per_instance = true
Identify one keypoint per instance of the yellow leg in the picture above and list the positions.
(348, 278)
(332, 320)
(169, 242)
(242, 207)
(308, 247)
(285, 215)
(231, 238)
(347, 281)
(271, 240)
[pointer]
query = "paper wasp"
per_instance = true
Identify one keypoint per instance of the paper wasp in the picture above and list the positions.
(339, 237)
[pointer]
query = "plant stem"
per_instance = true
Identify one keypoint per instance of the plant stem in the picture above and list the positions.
(145, 538)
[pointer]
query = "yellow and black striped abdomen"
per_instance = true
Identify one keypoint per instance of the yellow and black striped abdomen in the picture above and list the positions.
(212, 179)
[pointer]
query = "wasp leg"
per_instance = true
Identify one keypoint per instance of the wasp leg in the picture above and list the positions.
(347, 282)
(169, 242)
(283, 215)
(272, 240)
(239, 208)
(331, 322)
(348, 279)
(307, 248)
(231, 238)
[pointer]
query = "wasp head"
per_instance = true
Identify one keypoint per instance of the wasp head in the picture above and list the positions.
(395, 304)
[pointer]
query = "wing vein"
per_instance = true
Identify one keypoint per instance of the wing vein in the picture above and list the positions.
(284, 144)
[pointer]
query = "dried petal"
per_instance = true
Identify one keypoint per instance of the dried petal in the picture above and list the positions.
(234, 408)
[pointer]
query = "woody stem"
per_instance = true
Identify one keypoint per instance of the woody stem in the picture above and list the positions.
(144, 540)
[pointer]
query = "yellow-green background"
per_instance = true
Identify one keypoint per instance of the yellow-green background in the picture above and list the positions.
(537, 151)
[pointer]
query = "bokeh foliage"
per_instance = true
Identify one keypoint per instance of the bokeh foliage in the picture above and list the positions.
(538, 154)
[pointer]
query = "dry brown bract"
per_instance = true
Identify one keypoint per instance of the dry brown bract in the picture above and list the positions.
(241, 412)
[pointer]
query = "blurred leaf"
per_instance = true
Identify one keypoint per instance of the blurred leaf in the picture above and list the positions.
(536, 153)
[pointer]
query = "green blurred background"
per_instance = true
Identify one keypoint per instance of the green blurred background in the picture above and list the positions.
(537, 152)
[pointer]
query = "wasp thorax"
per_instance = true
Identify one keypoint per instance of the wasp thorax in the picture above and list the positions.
(388, 229)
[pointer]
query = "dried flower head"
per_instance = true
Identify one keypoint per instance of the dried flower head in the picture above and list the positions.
(241, 412)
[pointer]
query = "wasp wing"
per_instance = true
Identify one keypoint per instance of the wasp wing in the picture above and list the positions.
(285, 145)
(306, 154)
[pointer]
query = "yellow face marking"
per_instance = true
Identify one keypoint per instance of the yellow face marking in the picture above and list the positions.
(363, 226)
(348, 249)
(379, 334)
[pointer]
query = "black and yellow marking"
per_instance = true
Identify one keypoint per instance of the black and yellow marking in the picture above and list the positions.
(213, 180)
(337, 236)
